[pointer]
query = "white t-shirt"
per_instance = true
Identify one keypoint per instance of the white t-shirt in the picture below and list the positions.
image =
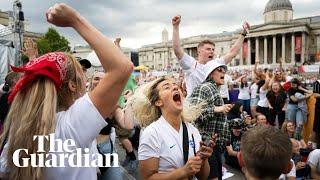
(194, 71)
(224, 89)
(263, 101)
(161, 140)
(253, 90)
(314, 159)
(82, 122)
(244, 93)
(292, 172)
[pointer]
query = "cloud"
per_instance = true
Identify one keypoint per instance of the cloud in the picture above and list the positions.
(141, 22)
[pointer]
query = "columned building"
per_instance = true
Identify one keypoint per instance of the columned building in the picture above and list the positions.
(279, 37)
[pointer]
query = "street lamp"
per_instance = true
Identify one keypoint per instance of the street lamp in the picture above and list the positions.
(18, 28)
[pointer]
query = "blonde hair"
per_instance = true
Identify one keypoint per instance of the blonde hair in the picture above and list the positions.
(146, 112)
(33, 112)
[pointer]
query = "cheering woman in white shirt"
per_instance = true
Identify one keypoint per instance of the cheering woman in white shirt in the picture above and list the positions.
(50, 98)
(170, 147)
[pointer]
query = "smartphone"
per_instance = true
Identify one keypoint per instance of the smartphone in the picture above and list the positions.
(206, 138)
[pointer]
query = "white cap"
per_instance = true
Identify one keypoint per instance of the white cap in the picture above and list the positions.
(211, 66)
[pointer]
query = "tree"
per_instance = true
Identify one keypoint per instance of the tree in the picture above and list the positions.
(52, 41)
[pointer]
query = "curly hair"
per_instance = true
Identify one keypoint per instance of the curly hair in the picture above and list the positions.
(145, 111)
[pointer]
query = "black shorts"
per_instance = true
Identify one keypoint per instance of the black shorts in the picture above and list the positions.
(215, 165)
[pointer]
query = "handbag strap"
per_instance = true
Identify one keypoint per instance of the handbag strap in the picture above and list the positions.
(185, 143)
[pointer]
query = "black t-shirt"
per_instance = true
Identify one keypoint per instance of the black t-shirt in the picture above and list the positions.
(292, 92)
(316, 89)
(277, 102)
(235, 142)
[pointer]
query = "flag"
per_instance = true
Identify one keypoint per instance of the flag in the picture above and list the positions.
(298, 45)
(131, 85)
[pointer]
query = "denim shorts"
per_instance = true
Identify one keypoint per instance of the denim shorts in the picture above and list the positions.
(105, 147)
(254, 101)
(298, 116)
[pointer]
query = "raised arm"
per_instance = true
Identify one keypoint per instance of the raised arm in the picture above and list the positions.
(117, 42)
(266, 83)
(305, 90)
(280, 62)
(122, 118)
(238, 80)
(113, 61)
(178, 51)
(237, 46)
(30, 49)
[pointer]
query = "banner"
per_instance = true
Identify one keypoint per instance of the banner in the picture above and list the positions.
(309, 68)
(245, 50)
(298, 45)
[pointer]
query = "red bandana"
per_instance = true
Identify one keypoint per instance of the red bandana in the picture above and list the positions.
(49, 65)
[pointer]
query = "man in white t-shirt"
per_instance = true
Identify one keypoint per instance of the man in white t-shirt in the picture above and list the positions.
(192, 68)
(314, 163)
(224, 89)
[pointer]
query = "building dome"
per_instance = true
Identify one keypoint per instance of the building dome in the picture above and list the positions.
(165, 35)
(274, 5)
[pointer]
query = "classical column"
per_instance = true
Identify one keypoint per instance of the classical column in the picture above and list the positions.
(153, 56)
(283, 52)
(265, 51)
(274, 49)
(241, 57)
(293, 49)
(249, 52)
(318, 42)
(303, 46)
(257, 48)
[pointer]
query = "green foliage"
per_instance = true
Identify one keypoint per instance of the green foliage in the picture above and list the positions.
(52, 41)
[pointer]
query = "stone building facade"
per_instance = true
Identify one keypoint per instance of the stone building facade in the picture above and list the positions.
(280, 36)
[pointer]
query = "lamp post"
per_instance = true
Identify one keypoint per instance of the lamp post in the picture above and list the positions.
(18, 30)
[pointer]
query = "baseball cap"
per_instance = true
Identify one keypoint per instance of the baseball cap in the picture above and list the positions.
(85, 63)
(236, 124)
(211, 66)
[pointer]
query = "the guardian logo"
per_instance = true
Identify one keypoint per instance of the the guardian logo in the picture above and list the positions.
(62, 154)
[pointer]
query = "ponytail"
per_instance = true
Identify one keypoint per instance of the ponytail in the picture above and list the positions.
(32, 113)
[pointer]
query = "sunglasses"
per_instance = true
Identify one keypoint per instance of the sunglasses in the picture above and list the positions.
(222, 69)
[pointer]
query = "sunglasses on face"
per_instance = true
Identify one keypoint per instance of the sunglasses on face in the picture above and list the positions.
(222, 69)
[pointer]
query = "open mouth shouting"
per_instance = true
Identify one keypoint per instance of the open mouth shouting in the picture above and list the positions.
(177, 98)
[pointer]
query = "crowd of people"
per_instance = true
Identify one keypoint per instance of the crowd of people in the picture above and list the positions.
(186, 125)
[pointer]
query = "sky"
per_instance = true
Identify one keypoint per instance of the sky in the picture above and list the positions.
(140, 22)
